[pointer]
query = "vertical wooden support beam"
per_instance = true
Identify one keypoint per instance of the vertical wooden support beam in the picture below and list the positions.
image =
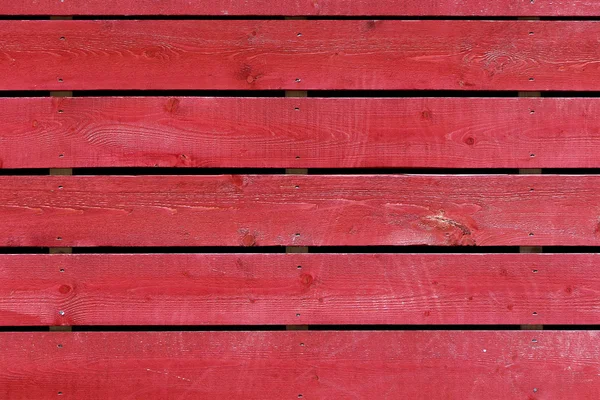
(530, 171)
(63, 172)
(296, 250)
(296, 93)
(530, 249)
(296, 171)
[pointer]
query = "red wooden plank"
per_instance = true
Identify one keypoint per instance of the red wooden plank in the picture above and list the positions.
(299, 132)
(303, 7)
(286, 289)
(300, 55)
(308, 365)
(313, 210)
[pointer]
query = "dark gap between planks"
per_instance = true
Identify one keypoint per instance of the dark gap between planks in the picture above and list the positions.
(269, 328)
(340, 93)
(313, 250)
(135, 171)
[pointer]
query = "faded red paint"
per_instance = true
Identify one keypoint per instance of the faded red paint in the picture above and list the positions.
(327, 210)
(268, 132)
(383, 55)
(463, 8)
(269, 289)
(284, 365)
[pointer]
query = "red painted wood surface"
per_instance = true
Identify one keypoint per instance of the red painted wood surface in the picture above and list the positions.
(303, 7)
(310, 210)
(307, 365)
(300, 55)
(299, 133)
(288, 289)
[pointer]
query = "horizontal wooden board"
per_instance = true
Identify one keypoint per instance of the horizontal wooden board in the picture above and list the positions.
(307, 365)
(303, 7)
(300, 132)
(310, 210)
(300, 55)
(287, 289)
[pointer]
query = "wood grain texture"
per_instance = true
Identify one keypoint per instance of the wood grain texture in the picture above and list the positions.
(286, 289)
(308, 365)
(296, 210)
(300, 55)
(299, 132)
(303, 7)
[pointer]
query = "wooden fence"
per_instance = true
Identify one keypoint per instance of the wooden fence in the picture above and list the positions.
(312, 199)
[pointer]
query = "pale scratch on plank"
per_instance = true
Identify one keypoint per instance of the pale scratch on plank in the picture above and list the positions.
(166, 373)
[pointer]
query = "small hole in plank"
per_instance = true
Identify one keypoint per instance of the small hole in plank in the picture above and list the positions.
(532, 112)
(60, 111)
(61, 312)
(533, 340)
(297, 315)
(299, 34)
(297, 108)
(535, 271)
(299, 267)
(531, 234)
(302, 344)
(532, 155)
(60, 80)
(297, 187)
(60, 187)
(535, 314)
(58, 238)
(297, 157)
(60, 346)
(61, 155)
(60, 393)
(62, 38)
(298, 80)
(300, 396)
(531, 33)
(532, 190)
(531, 79)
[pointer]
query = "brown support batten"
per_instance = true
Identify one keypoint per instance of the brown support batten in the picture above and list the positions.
(296, 171)
(61, 172)
(530, 249)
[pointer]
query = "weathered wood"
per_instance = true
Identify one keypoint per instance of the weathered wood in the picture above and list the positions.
(299, 210)
(296, 171)
(308, 365)
(59, 171)
(531, 249)
(295, 289)
(303, 7)
(300, 55)
(300, 132)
